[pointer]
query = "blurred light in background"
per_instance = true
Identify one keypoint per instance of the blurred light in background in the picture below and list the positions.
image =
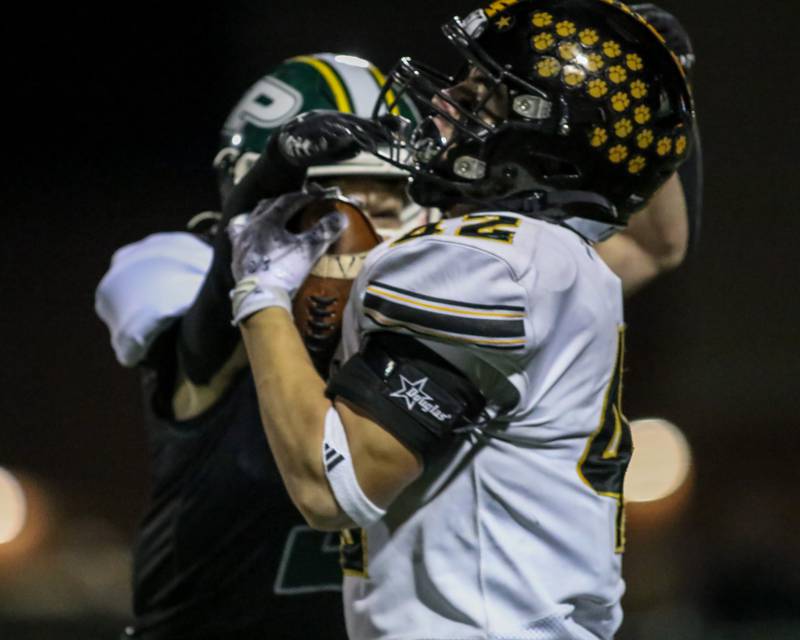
(13, 507)
(661, 461)
(56, 564)
(660, 477)
(26, 516)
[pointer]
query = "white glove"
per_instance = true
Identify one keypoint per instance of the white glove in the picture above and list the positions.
(269, 263)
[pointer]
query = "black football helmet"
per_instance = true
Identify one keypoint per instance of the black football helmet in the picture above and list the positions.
(598, 114)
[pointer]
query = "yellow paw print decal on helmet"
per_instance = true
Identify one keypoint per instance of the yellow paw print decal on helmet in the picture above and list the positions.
(644, 138)
(620, 101)
(595, 62)
(617, 74)
(568, 50)
(543, 41)
(634, 62)
(638, 89)
(588, 37)
(664, 146)
(618, 153)
(565, 28)
(574, 76)
(599, 137)
(642, 114)
(548, 67)
(636, 164)
(597, 88)
(611, 49)
(623, 128)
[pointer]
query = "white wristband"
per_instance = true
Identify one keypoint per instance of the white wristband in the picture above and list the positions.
(342, 476)
(249, 296)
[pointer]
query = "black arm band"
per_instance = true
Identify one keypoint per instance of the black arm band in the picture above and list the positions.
(409, 390)
(207, 339)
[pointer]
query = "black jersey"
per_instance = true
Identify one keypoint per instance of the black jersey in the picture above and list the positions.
(221, 551)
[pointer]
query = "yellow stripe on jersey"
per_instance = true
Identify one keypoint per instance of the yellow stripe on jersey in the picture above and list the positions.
(333, 80)
(454, 337)
(382, 293)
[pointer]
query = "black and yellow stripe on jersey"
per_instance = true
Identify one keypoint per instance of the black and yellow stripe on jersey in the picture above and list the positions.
(491, 326)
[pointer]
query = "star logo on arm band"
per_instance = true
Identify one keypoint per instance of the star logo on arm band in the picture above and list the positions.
(416, 399)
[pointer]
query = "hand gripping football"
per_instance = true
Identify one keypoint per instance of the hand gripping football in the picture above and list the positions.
(320, 301)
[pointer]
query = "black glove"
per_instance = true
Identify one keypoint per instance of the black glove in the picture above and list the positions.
(326, 137)
(671, 30)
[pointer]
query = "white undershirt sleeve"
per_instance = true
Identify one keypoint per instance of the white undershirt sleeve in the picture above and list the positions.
(342, 476)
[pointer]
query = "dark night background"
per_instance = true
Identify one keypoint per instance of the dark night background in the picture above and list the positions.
(112, 127)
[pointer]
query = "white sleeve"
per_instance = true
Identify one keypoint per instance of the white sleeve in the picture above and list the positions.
(462, 301)
(448, 291)
(148, 285)
(342, 476)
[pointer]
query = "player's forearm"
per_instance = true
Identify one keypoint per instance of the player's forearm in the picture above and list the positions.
(654, 242)
(271, 176)
(207, 340)
(292, 401)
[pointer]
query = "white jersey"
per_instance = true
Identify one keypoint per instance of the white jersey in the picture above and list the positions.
(516, 533)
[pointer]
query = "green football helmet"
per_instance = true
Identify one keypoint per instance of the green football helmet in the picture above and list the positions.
(304, 83)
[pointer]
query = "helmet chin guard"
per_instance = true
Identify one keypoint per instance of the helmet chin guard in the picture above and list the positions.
(597, 112)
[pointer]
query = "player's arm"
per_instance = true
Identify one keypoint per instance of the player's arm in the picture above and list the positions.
(207, 341)
(654, 242)
(658, 237)
(367, 466)
(294, 411)
(396, 401)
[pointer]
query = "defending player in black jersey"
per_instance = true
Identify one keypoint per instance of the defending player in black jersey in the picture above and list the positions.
(221, 551)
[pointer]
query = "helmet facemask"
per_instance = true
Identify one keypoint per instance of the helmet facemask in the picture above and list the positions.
(481, 159)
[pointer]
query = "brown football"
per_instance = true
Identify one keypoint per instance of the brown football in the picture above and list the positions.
(320, 301)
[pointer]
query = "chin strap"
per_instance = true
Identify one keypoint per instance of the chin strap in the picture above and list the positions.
(591, 230)
(587, 213)
(585, 203)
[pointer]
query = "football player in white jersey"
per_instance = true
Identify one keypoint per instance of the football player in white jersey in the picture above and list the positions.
(475, 432)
